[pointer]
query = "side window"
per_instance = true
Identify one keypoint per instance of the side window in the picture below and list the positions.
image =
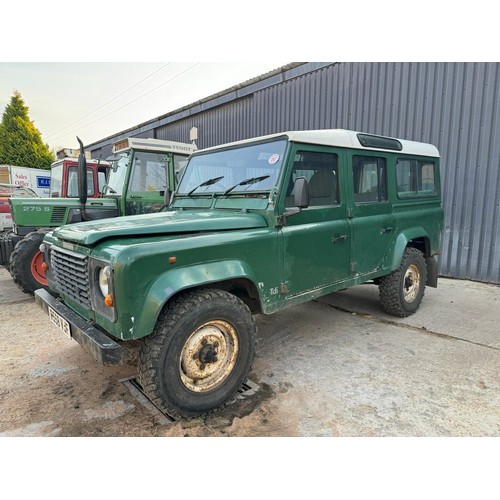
(101, 178)
(90, 182)
(415, 178)
(321, 172)
(179, 162)
(369, 179)
(56, 175)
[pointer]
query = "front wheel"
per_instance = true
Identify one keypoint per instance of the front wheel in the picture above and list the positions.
(199, 354)
(401, 292)
(26, 263)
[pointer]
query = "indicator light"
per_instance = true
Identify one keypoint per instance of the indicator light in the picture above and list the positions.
(172, 260)
(108, 300)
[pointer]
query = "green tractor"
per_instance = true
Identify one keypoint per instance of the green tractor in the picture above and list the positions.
(140, 175)
(39, 213)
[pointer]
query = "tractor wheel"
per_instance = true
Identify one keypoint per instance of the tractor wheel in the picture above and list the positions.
(6, 247)
(199, 354)
(26, 261)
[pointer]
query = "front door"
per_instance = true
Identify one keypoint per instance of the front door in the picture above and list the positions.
(316, 241)
(147, 182)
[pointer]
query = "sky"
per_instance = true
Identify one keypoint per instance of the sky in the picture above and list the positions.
(95, 69)
(58, 54)
(97, 99)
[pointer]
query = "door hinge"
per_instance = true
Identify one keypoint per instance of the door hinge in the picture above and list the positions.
(353, 267)
(283, 289)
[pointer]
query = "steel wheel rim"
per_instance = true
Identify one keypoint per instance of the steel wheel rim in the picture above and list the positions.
(37, 269)
(208, 356)
(411, 283)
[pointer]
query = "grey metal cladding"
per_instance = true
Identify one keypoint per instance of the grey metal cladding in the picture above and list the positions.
(453, 105)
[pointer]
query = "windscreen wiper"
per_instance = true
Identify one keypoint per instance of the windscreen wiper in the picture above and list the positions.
(206, 183)
(252, 180)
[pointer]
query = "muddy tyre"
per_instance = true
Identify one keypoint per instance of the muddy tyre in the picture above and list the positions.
(200, 353)
(401, 292)
(25, 264)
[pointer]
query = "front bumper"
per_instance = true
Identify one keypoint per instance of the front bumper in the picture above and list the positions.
(105, 350)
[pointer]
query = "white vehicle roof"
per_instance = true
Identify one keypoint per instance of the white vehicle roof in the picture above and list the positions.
(153, 145)
(89, 162)
(344, 139)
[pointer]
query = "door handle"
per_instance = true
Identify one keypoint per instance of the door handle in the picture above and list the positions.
(386, 230)
(343, 237)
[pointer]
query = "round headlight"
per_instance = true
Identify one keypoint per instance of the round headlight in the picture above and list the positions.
(104, 275)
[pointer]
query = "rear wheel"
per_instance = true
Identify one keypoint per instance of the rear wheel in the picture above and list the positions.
(401, 292)
(199, 354)
(26, 261)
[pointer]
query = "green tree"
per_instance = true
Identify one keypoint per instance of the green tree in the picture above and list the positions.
(20, 141)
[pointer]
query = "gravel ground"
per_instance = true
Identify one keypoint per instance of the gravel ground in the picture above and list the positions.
(335, 367)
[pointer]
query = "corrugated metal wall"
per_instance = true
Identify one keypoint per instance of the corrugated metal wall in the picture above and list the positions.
(455, 106)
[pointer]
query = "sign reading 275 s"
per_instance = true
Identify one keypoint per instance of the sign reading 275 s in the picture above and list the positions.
(35, 208)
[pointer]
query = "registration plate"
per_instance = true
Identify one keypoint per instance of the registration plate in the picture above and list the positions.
(60, 322)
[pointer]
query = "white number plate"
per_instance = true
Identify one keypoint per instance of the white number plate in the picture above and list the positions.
(60, 322)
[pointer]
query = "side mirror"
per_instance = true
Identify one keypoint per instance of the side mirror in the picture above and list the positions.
(300, 200)
(301, 190)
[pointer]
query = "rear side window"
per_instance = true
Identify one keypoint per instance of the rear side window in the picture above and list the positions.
(369, 179)
(415, 178)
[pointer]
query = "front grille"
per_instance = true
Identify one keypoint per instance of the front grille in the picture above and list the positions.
(70, 273)
(58, 214)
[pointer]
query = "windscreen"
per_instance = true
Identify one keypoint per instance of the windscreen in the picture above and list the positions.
(249, 168)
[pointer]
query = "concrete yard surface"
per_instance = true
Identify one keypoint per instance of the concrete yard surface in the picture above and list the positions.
(337, 366)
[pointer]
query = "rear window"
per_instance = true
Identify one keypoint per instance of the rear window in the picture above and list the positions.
(415, 178)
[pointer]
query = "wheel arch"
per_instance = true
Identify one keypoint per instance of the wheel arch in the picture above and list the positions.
(417, 238)
(232, 276)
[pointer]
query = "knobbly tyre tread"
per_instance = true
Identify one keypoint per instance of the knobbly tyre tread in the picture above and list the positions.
(151, 347)
(390, 287)
(19, 268)
(6, 247)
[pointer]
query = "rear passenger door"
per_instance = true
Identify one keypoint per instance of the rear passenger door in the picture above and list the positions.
(372, 220)
(316, 241)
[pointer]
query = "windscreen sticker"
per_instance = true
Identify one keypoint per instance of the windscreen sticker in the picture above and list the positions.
(273, 159)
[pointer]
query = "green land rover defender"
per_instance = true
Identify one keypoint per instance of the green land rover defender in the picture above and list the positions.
(253, 227)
